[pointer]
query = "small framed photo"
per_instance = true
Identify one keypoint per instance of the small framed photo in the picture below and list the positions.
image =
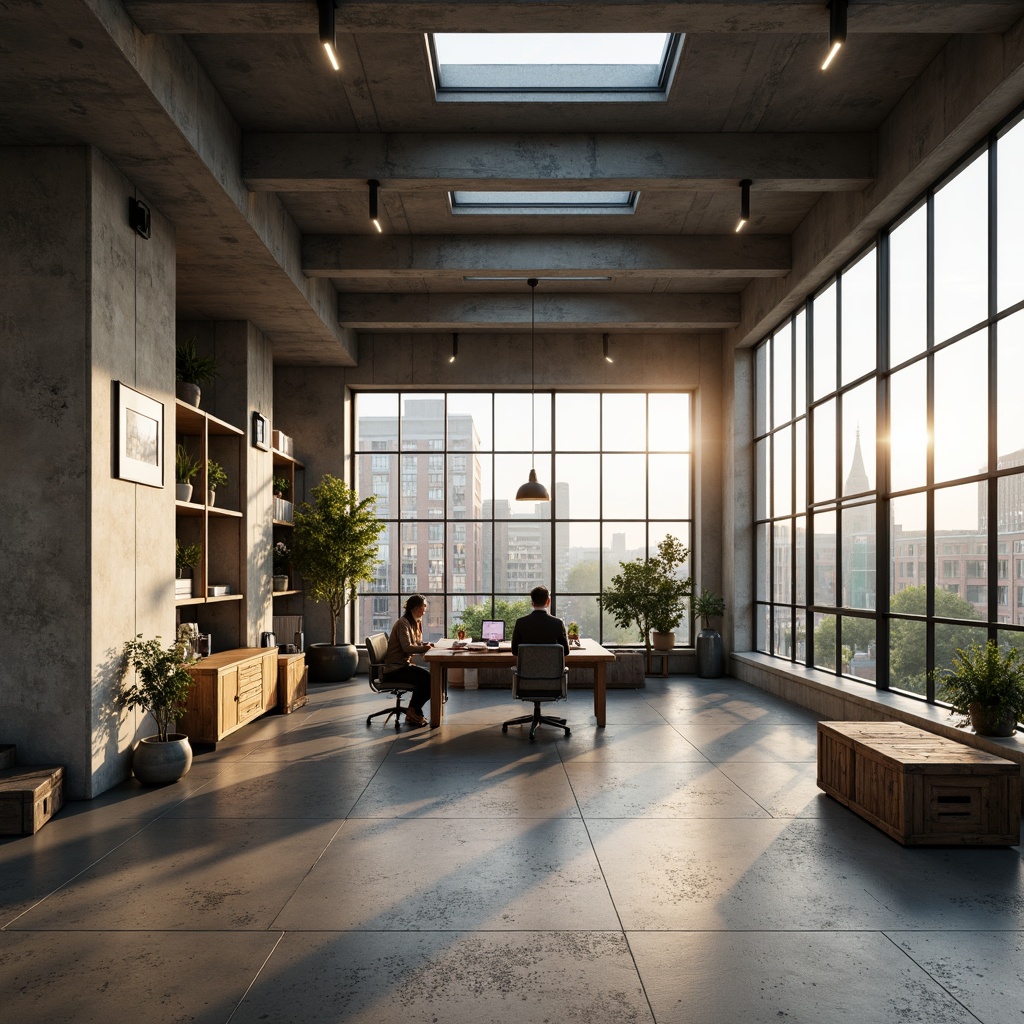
(260, 432)
(140, 437)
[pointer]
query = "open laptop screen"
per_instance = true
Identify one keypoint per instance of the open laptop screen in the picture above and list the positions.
(493, 630)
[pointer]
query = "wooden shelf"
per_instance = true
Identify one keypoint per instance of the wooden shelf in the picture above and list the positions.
(222, 597)
(283, 522)
(281, 459)
(228, 513)
(284, 593)
(188, 508)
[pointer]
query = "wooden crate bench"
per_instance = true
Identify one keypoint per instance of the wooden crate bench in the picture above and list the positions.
(29, 798)
(921, 789)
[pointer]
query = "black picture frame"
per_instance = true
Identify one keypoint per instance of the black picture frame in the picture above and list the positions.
(260, 432)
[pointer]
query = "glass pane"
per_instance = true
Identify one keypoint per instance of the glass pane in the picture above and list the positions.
(908, 427)
(669, 419)
(800, 464)
(860, 312)
(376, 475)
(513, 605)
(584, 611)
(656, 533)
(958, 541)
(624, 423)
(578, 422)
(621, 542)
(669, 486)
(859, 439)
(623, 486)
(961, 250)
(908, 287)
(826, 636)
(800, 362)
(824, 344)
(512, 423)
(1007, 638)
(857, 636)
(763, 480)
(467, 611)
(1010, 218)
(800, 554)
(824, 422)
(782, 375)
(907, 656)
(859, 556)
(763, 567)
(782, 641)
(510, 473)
(948, 640)
(422, 423)
(578, 558)
(376, 422)
(782, 563)
(470, 480)
(1010, 367)
(908, 546)
(1010, 525)
(469, 422)
(580, 477)
(762, 619)
(762, 387)
(375, 613)
(782, 466)
(824, 525)
(961, 408)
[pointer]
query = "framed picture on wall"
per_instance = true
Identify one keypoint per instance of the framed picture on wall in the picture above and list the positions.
(260, 432)
(140, 437)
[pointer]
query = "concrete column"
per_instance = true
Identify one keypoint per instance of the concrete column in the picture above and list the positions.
(86, 303)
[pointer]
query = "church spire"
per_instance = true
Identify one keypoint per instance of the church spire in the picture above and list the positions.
(857, 480)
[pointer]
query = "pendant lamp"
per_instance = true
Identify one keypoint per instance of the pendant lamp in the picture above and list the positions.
(533, 490)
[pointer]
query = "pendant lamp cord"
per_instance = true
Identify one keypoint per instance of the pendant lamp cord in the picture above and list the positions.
(532, 282)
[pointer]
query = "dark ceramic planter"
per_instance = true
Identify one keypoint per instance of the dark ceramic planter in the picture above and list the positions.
(331, 664)
(710, 654)
(155, 763)
(189, 393)
(991, 722)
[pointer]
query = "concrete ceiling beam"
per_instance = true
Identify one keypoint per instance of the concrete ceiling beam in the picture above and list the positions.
(209, 17)
(503, 312)
(396, 256)
(780, 162)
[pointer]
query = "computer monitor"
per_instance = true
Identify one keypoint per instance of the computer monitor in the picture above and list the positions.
(493, 631)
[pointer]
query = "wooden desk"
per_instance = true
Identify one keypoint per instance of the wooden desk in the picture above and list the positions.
(589, 655)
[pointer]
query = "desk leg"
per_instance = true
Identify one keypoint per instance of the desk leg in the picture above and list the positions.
(436, 697)
(599, 691)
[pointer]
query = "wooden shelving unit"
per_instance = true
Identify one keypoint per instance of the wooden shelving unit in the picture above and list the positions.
(292, 470)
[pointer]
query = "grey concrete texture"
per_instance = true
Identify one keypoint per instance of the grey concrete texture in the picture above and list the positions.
(460, 874)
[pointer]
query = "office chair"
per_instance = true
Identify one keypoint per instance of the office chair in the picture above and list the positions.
(376, 648)
(539, 675)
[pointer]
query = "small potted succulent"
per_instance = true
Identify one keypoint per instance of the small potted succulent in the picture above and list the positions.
(186, 556)
(192, 370)
(985, 687)
(282, 565)
(160, 687)
(185, 468)
(215, 477)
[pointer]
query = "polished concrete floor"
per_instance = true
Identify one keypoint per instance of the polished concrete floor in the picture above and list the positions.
(678, 866)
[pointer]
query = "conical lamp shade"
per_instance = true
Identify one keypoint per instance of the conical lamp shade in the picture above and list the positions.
(532, 490)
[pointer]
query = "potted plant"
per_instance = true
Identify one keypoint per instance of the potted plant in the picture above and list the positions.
(572, 631)
(185, 467)
(215, 477)
(334, 549)
(710, 651)
(282, 563)
(650, 593)
(281, 487)
(192, 371)
(187, 557)
(985, 687)
(160, 687)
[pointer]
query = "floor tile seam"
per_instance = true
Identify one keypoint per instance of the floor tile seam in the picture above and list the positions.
(928, 974)
(254, 979)
(78, 874)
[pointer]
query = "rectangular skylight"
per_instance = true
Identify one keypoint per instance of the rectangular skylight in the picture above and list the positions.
(549, 202)
(567, 66)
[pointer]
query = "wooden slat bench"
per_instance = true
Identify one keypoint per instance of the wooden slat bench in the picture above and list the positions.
(921, 789)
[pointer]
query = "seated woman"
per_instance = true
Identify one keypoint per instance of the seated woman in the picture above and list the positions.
(406, 640)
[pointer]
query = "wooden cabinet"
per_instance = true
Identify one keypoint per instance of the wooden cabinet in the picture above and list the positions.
(230, 689)
(291, 682)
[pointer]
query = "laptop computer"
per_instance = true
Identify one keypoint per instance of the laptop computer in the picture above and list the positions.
(492, 631)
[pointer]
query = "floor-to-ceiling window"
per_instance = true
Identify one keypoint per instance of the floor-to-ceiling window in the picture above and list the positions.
(445, 468)
(889, 442)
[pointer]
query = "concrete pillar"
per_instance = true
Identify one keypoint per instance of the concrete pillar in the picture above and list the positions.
(86, 303)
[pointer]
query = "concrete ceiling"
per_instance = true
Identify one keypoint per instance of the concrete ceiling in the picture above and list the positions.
(227, 116)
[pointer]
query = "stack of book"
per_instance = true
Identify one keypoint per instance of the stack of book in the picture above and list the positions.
(182, 588)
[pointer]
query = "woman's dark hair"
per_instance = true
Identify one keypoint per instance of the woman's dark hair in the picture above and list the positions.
(414, 602)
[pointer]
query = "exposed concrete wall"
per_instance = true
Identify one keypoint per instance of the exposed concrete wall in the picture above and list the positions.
(312, 404)
(85, 303)
(738, 500)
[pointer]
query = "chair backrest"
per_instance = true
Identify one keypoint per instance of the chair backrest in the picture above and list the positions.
(540, 672)
(376, 648)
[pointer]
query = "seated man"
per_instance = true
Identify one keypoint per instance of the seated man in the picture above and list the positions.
(540, 626)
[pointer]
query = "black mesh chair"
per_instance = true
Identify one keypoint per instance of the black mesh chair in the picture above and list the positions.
(539, 675)
(376, 648)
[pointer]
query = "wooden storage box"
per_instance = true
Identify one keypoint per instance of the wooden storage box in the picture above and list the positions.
(291, 682)
(29, 798)
(6, 755)
(920, 788)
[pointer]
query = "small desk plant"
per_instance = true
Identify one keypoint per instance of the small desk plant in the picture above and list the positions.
(710, 652)
(985, 687)
(185, 468)
(215, 477)
(187, 556)
(160, 687)
(573, 633)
